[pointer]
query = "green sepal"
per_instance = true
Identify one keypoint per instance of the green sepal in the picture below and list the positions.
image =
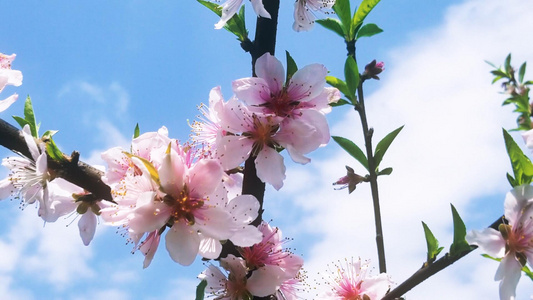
(522, 166)
(360, 14)
(384, 144)
(200, 290)
(352, 149)
(235, 25)
(344, 12)
(368, 30)
(136, 131)
(341, 102)
(432, 244)
(333, 25)
(351, 73)
(291, 66)
(29, 115)
(341, 86)
(386, 171)
(521, 72)
(53, 151)
(21, 121)
(459, 244)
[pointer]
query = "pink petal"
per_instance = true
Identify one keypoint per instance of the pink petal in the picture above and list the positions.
(172, 173)
(253, 90)
(244, 208)
(489, 240)
(515, 201)
(269, 68)
(6, 103)
(270, 167)
(260, 9)
(246, 236)
(214, 222)
(204, 177)
(210, 248)
(87, 226)
(182, 243)
(509, 273)
(232, 151)
(6, 188)
(307, 83)
(149, 247)
(30, 142)
(377, 286)
(266, 280)
(303, 18)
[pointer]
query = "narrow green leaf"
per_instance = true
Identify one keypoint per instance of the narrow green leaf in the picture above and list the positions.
(200, 290)
(386, 171)
(344, 12)
(432, 244)
(360, 14)
(22, 122)
(491, 64)
(341, 85)
(368, 30)
(351, 73)
(149, 167)
(136, 131)
(53, 151)
(521, 72)
(341, 102)
(49, 133)
(352, 149)
(459, 244)
(384, 144)
(507, 64)
(30, 117)
(291, 66)
(333, 25)
(522, 166)
(235, 25)
(511, 180)
(499, 73)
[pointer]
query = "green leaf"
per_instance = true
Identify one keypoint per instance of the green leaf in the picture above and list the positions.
(507, 64)
(136, 131)
(200, 290)
(432, 244)
(149, 167)
(341, 85)
(459, 244)
(368, 30)
(386, 171)
(522, 166)
(351, 73)
(53, 151)
(291, 66)
(344, 12)
(235, 25)
(29, 116)
(360, 14)
(491, 64)
(333, 25)
(22, 122)
(499, 73)
(341, 102)
(521, 72)
(352, 149)
(384, 144)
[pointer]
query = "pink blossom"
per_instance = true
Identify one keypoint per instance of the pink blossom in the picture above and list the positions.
(528, 138)
(513, 242)
(231, 7)
(351, 281)
(304, 12)
(169, 186)
(300, 102)
(8, 77)
(29, 175)
(207, 131)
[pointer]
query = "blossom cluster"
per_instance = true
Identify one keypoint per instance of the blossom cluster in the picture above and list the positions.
(274, 270)
(267, 115)
(8, 77)
(304, 12)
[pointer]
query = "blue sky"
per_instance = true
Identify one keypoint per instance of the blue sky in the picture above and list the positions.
(96, 68)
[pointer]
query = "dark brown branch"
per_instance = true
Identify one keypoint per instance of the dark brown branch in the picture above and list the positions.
(429, 270)
(72, 170)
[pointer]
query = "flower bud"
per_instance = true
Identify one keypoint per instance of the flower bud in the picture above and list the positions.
(350, 180)
(373, 69)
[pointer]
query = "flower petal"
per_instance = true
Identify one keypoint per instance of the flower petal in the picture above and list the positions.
(271, 70)
(266, 280)
(270, 167)
(210, 248)
(509, 273)
(489, 240)
(204, 177)
(252, 90)
(182, 243)
(307, 83)
(87, 226)
(6, 103)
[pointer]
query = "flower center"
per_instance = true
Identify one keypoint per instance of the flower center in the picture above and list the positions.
(183, 207)
(262, 135)
(281, 105)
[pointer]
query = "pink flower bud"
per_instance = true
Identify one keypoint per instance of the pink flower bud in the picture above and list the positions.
(373, 69)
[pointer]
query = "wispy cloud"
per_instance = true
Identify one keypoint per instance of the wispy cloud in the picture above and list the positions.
(450, 151)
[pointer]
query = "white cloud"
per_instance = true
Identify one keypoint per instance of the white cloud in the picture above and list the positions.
(450, 151)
